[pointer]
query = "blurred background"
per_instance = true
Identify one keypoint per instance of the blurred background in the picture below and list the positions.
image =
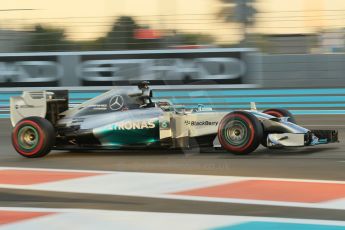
(267, 43)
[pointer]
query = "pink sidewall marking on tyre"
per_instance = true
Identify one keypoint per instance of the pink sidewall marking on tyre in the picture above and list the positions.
(15, 137)
(225, 144)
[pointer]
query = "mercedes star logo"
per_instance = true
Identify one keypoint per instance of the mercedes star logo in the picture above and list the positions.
(116, 102)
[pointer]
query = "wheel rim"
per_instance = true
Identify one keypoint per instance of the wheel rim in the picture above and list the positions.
(28, 137)
(236, 133)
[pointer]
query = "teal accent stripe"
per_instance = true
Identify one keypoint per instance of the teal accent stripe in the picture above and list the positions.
(158, 94)
(252, 92)
(325, 102)
(6, 96)
(258, 225)
(77, 101)
(234, 106)
(81, 97)
(259, 99)
(73, 101)
(317, 112)
(295, 112)
(303, 112)
(74, 95)
(265, 106)
(210, 93)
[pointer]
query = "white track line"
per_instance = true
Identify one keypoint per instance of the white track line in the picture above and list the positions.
(101, 219)
(157, 185)
(175, 174)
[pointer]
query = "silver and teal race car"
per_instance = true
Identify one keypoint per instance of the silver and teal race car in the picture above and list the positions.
(43, 121)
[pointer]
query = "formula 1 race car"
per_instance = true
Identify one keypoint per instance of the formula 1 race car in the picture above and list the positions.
(116, 119)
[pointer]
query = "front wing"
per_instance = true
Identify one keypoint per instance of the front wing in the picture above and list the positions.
(315, 137)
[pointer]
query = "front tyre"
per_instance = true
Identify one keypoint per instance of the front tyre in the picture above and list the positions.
(33, 137)
(277, 112)
(240, 132)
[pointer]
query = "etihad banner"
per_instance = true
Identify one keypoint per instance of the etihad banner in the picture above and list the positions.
(27, 70)
(106, 68)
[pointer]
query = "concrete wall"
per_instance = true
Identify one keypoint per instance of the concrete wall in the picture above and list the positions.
(296, 70)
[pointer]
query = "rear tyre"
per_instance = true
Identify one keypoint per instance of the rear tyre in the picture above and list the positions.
(33, 137)
(279, 112)
(240, 132)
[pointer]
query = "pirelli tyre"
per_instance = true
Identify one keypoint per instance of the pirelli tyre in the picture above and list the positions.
(33, 137)
(240, 132)
(279, 112)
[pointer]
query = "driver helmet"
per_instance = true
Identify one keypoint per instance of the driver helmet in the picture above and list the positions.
(143, 85)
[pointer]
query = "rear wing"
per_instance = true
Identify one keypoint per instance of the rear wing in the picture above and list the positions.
(45, 104)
